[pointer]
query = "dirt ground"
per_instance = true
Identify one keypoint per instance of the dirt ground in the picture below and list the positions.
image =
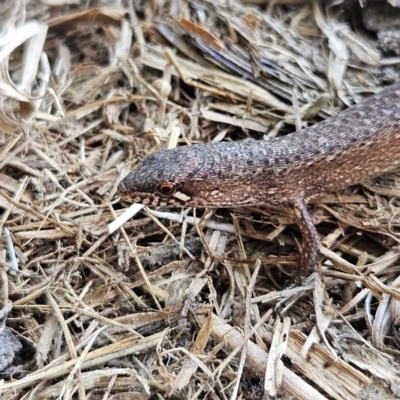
(101, 299)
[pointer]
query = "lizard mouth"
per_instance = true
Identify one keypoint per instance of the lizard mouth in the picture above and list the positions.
(147, 199)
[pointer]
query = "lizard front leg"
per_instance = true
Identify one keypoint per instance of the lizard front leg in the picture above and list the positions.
(309, 253)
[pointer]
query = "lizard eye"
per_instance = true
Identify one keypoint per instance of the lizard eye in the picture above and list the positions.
(167, 189)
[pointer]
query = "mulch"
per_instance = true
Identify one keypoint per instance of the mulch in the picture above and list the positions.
(100, 299)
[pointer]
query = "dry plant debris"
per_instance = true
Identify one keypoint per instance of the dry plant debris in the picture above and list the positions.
(104, 300)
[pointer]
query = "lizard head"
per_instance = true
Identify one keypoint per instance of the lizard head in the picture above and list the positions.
(197, 175)
(157, 182)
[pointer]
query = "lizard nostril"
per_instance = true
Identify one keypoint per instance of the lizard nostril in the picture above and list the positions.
(122, 187)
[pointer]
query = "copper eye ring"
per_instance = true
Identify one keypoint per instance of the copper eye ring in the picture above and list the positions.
(167, 189)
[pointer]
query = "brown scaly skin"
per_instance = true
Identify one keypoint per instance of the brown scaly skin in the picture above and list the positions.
(359, 143)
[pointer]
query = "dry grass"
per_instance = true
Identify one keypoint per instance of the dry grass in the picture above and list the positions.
(104, 300)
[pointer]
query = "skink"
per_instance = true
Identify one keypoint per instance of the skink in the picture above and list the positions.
(359, 143)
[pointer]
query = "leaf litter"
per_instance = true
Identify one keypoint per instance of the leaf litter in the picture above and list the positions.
(101, 299)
